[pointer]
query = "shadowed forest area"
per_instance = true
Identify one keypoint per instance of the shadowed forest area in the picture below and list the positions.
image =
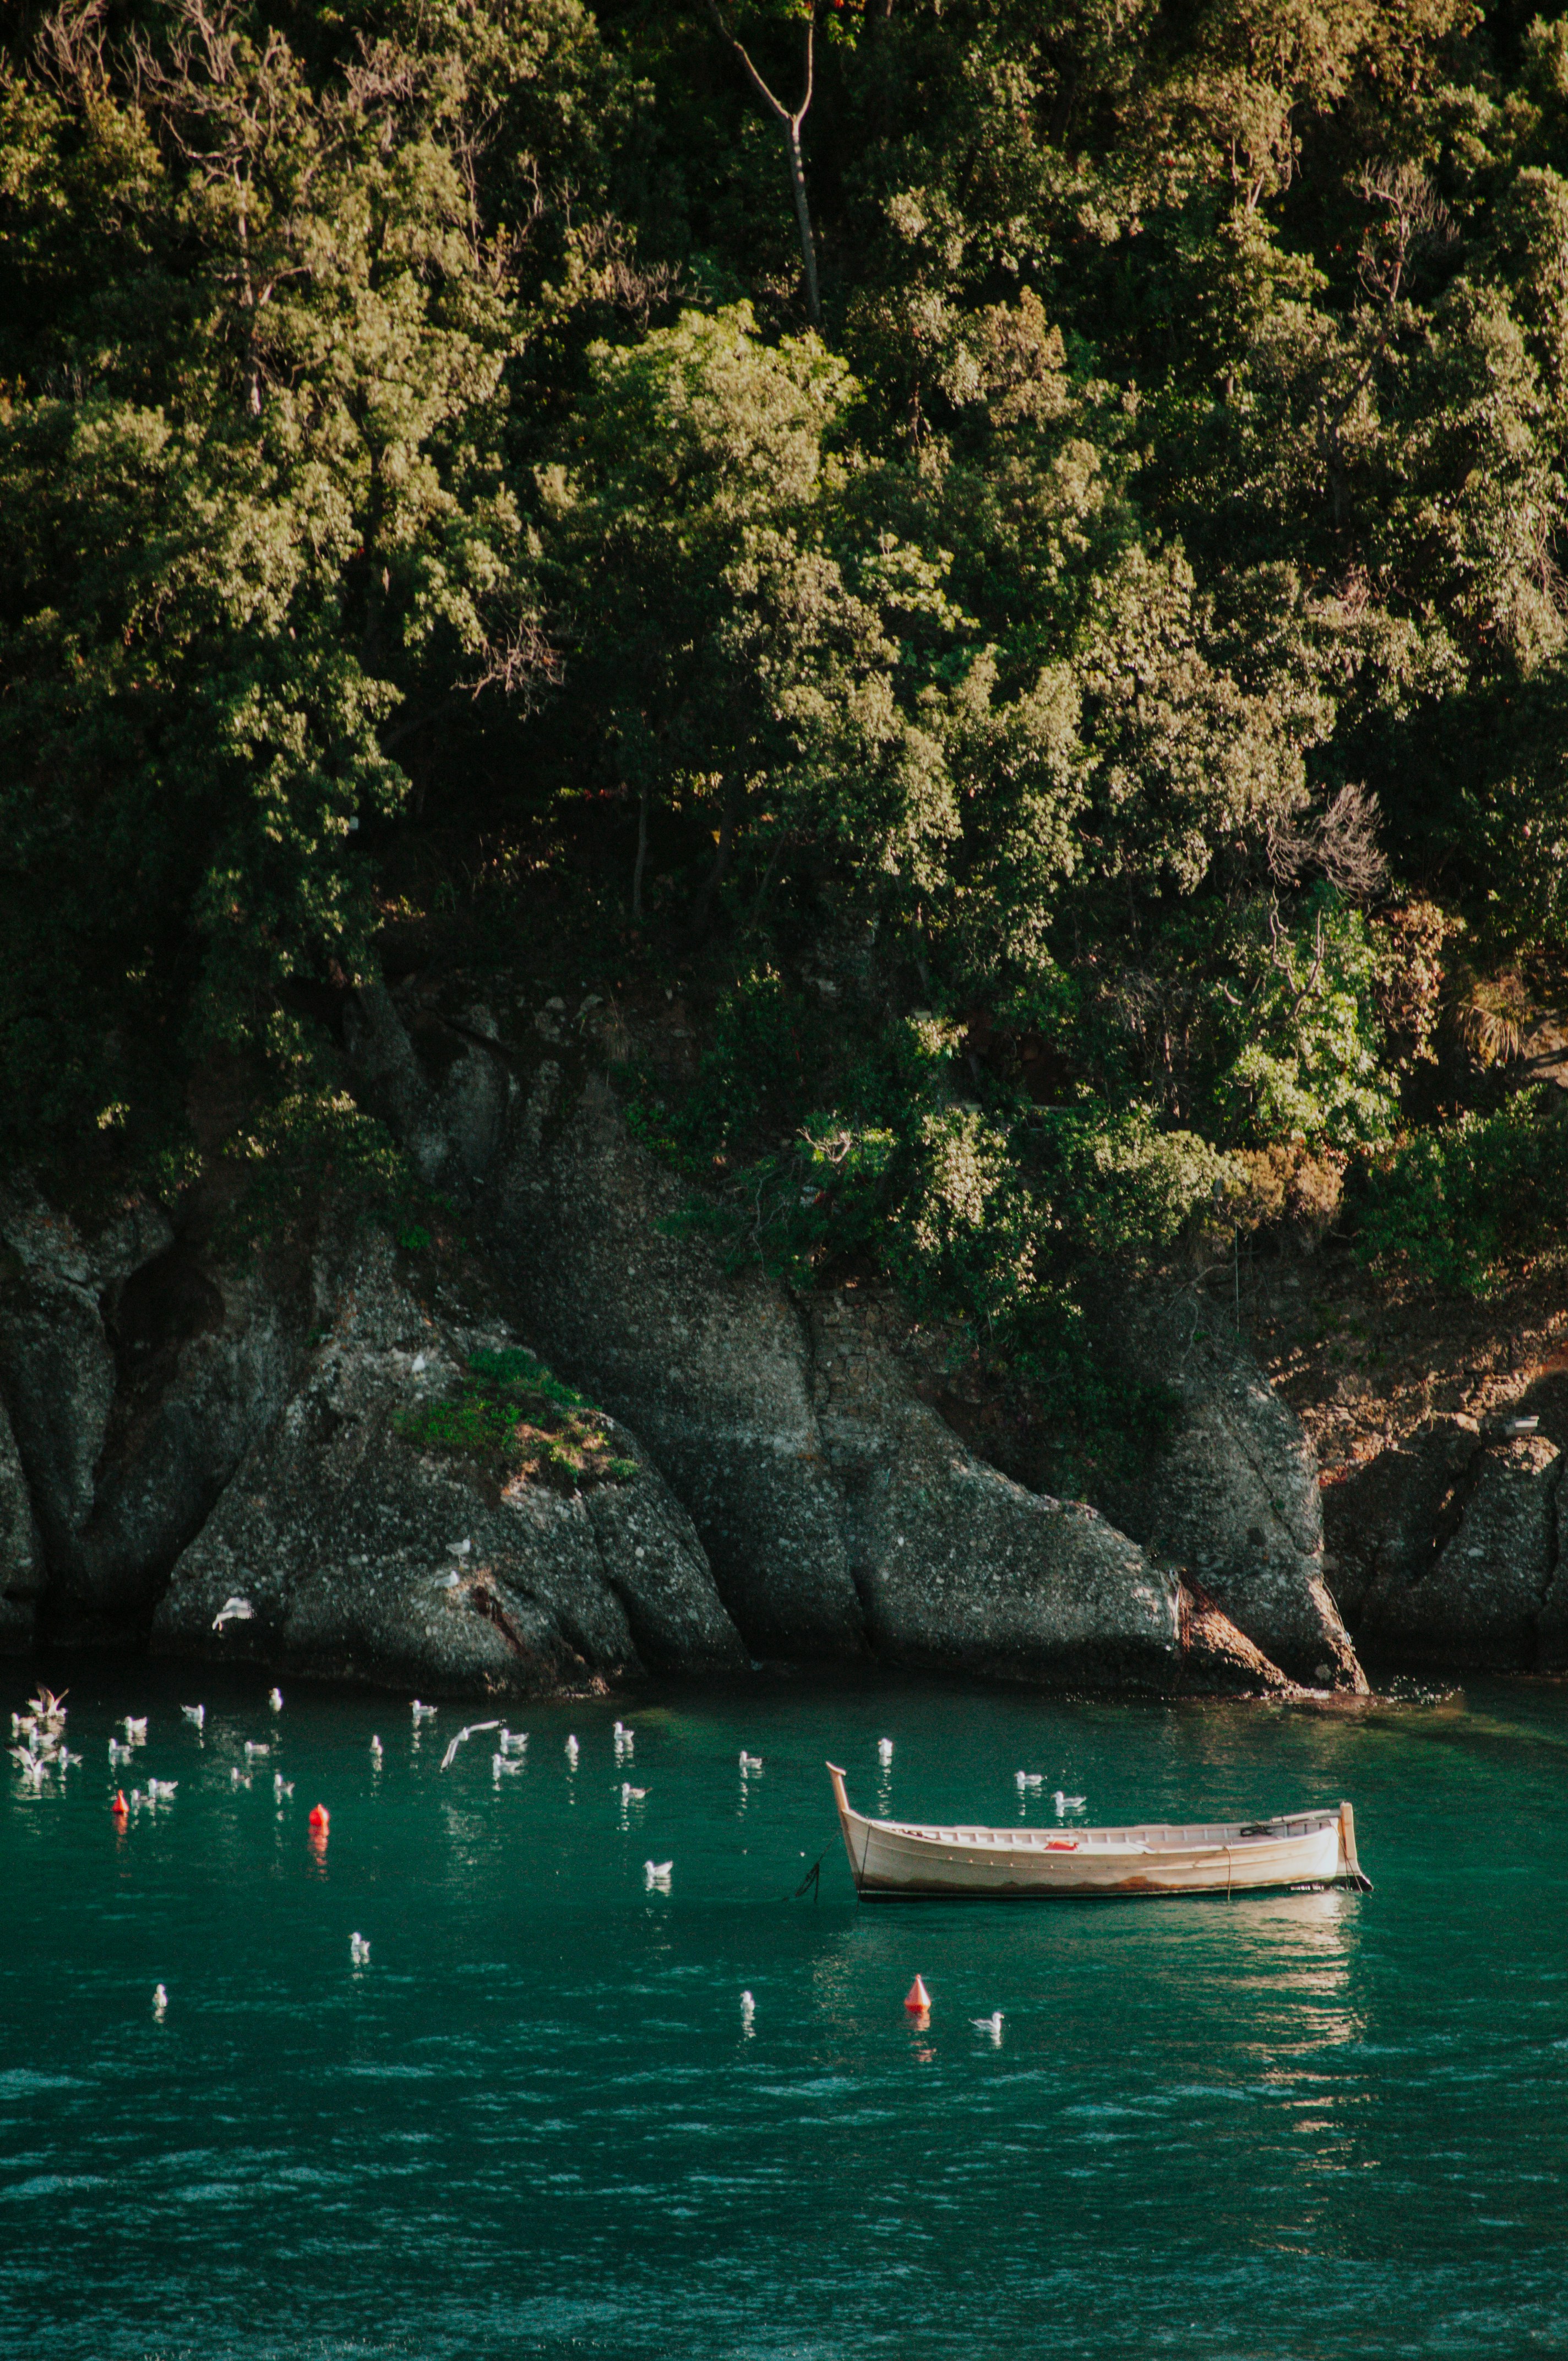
(1009, 553)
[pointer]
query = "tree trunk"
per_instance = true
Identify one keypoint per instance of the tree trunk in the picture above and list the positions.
(642, 856)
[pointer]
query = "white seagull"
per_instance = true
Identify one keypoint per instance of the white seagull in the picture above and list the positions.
(629, 1795)
(136, 1730)
(991, 2024)
(573, 1751)
(159, 2003)
(422, 1712)
(885, 1752)
(470, 1729)
(281, 1786)
(196, 1713)
(749, 1762)
(234, 1610)
(1023, 1779)
(1068, 1803)
(275, 1699)
(375, 1746)
(161, 1791)
(255, 1746)
(237, 1776)
(656, 1875)
(118, 1753)
(500, 1763)
(512, 1741)
(358, 1951)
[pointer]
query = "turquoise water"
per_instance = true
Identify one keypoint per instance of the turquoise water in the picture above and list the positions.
(539, 2121)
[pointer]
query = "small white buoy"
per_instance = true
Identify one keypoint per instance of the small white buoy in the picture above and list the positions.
(275, 1699)
(159, 2003)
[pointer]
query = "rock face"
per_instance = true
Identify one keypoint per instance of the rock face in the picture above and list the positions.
(713, 1369)
(365, 1558)
(957, 1565)
(21, 1552)
(838, 1510)
(1231, 1493)
(135, 1382)
(1477, 1594)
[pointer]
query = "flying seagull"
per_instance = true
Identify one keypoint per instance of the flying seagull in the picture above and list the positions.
(471, 1730)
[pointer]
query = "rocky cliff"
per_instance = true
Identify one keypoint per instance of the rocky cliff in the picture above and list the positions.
(186, 1428)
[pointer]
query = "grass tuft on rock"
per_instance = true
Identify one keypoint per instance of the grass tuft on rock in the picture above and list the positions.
(521, 1423)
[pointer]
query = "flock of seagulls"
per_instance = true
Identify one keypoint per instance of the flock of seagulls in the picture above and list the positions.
(42, 1750)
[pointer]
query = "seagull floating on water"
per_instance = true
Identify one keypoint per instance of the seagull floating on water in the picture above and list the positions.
(748, 2012)
(512, 1742)
(118, 1753)
(573, 1751)
(31, 1766)
(376, 1748)
(281, 1786)
(275, 1699)
(470, 1729)
(885, 1750)
(253, 1746)
(237, 1776)
(1068, 1803)
(234, 1610)
(629, 1795)
(196, 1713)
(358, 1951)
(991, 2024)
(159, 2002)
(422, 1712)
(656, 1875)
(500, 1763)
(624, 1742)
(136, 1730)
(161, 1791)
(749, 1762)
(1028, 1779)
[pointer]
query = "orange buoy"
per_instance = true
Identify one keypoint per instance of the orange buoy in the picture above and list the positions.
(119, 1808)
(319, 1817)
(917, 1997)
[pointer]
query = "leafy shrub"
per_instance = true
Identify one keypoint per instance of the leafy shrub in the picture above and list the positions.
(518, 1419)
(1454, 1203)
(311, 1143)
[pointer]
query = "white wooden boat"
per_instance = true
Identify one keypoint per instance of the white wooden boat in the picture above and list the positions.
(891, 1860)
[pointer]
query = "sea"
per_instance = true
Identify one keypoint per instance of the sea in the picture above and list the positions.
(554, 2104)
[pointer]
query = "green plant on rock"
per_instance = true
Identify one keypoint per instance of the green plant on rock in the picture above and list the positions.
(517, 1420)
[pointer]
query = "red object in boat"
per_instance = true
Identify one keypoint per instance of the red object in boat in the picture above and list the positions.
(1061, 1844)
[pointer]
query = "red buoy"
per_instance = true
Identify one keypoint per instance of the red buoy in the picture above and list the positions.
(119, 1808)
(319, 1817)
(917, 1997)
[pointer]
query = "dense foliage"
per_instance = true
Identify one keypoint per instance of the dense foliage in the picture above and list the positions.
(1033, 581)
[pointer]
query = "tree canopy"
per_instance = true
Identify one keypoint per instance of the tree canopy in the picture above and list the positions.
(1069, 497)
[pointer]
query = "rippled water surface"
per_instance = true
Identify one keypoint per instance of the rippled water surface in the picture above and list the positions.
(540, 2121)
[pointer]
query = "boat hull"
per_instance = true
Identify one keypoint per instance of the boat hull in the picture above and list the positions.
(891, 1861)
